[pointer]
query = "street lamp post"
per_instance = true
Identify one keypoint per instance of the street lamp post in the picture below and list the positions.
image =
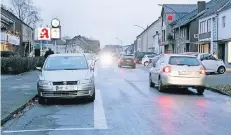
(144, 30)
(176, 13)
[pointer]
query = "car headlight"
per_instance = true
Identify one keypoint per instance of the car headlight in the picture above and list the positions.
(87, 81)
(44, 83)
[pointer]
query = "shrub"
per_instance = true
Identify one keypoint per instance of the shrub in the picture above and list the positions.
(17, 64)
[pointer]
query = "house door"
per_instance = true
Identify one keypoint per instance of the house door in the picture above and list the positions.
(221, 51)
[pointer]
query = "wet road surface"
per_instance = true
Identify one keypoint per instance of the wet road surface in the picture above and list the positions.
(126, 105)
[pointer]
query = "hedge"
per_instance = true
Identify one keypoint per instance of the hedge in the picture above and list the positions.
(17, 64)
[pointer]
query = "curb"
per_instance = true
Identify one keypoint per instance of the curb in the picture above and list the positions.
(10, 116)
(218, 91)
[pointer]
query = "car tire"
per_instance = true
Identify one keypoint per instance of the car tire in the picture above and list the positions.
(146, 63)
(160, 86)
(92, 98)
(151, 84)
(42, 100)
(221, 70)
(134, 67)
(200, 90)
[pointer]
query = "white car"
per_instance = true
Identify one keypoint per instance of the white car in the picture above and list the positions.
(177, 71)
(210, 63)
(147, 59)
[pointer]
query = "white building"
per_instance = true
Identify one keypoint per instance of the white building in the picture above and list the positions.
(214, 31)
(148, 40)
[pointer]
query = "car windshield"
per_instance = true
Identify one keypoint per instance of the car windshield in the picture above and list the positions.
(183, 60)
(66, 63)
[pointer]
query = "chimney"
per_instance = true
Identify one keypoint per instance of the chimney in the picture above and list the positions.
(201, 6)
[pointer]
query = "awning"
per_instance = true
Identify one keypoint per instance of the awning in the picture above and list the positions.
(223, 40)
(202, 42)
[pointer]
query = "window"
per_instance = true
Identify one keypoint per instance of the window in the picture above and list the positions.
(66, 63)
(209, 25)
(223, 21)
(203, 27)
(183, 60)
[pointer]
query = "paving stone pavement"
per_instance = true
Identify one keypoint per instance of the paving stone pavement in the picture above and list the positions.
(16, 90)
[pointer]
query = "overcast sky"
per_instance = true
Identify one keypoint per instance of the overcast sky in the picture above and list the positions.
(104, 20)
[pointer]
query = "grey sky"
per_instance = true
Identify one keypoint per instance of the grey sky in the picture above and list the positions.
(103, 19)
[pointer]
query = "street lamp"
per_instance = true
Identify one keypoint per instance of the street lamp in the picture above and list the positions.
(120, 41)
(144, 30)
(174, 12)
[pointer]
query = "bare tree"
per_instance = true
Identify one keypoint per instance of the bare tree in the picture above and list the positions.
(26, 11)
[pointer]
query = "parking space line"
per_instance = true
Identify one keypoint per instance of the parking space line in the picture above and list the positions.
(99, 119)
(99, 115)
(44, 130)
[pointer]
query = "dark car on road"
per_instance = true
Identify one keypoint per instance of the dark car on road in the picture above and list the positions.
(127, 60)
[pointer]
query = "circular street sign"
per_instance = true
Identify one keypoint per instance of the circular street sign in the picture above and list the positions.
(55, 22)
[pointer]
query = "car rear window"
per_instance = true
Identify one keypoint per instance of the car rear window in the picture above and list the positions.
(183, 60)
(150, 56)
(128, 56)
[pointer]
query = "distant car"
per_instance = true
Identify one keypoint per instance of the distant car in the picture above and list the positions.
(210, 63)
(147, 59)
(66, 76)
(177, 71)
(140, 55)
(127, 60)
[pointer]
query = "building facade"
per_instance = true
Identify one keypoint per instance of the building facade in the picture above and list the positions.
(169, 14)
(214, 27)
(16, 36)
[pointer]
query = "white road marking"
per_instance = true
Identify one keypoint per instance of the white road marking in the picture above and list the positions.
(99, 115)
(99, 119)
(43, 130)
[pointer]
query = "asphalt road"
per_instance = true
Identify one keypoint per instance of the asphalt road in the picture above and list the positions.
(125, 105)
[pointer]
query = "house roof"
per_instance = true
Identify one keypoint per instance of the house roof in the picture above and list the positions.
(149, 27)
(219, 5)
(179, 8)
(192, 15)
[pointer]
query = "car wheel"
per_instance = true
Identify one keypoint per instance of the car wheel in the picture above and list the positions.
(146, 63)
(42, 100)
(134, 67)
(151, 84)
(160, 86)
(92, 98)
(200, 90)
(221, 70)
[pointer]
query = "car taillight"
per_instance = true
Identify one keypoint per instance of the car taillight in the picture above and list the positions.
(202, 70)
(167, 69)
(134, 60)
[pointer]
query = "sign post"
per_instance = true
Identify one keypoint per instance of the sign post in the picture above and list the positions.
(55, 31)
(43, 34)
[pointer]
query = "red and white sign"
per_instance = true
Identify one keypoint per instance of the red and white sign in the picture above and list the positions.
(170, 17)
(44, 33)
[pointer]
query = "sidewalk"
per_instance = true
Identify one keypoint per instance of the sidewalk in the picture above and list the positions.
(16, 91)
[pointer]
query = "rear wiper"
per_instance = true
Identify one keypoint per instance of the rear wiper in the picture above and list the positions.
(182, 64)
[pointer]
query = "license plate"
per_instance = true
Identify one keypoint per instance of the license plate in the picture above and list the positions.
(184, 72)
(64, 88)
(128, 60)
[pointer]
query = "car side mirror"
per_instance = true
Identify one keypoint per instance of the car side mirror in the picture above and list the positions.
(39, 68)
